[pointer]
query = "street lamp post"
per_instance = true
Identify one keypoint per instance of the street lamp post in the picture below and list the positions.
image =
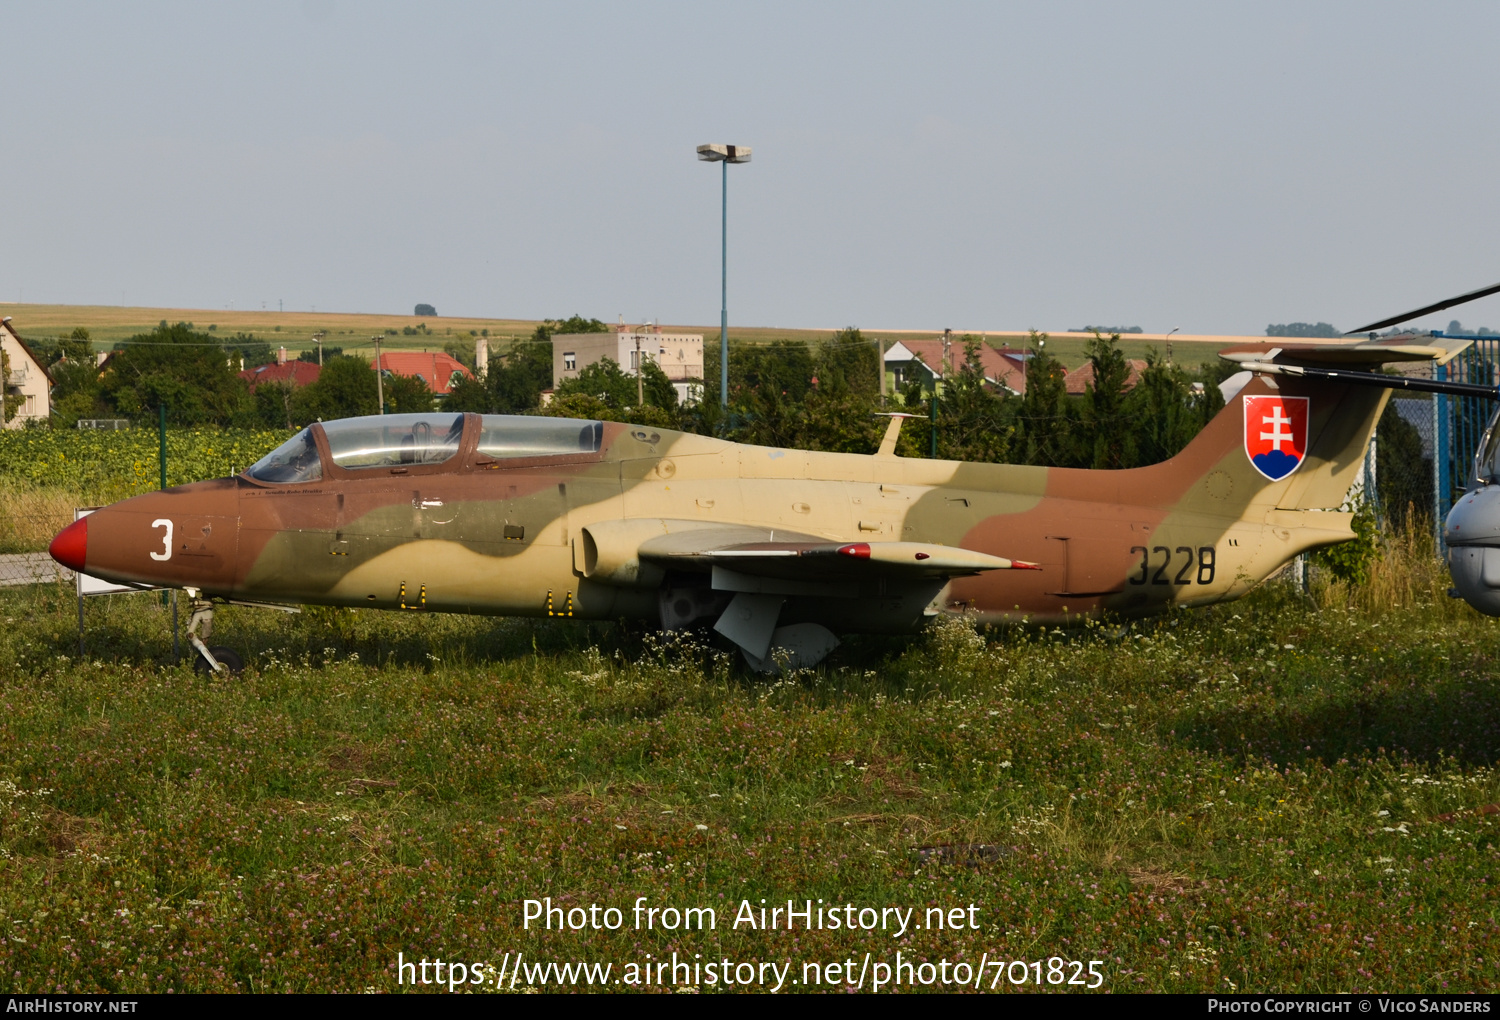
(379, 379)
(725, 154)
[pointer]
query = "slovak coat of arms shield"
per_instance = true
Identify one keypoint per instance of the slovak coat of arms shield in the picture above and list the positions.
(1276, 434)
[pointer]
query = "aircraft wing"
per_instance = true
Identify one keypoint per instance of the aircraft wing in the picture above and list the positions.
(815, 560)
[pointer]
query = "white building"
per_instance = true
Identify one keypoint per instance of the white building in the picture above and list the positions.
(679, 355)
(27, 385)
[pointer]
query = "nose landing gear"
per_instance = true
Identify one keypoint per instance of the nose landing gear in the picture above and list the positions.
(210, 659)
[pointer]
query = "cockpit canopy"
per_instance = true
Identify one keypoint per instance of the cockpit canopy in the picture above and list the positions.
(295, 460)
(1487, 457)
(393, 440)
(399, 440)
(506, 436)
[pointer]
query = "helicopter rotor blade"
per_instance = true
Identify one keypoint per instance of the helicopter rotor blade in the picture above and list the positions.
(1449, 303)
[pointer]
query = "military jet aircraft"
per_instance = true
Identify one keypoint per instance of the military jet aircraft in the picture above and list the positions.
(779, 550)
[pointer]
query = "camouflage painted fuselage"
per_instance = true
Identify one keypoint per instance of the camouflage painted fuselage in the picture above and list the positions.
(555, 535)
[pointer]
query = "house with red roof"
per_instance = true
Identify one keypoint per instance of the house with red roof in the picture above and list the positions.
(438, 370)
(294, 373)
(1078, 381)
(932, 361)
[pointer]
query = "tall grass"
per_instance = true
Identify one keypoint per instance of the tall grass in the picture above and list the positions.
(31, 514)
(1405, 573)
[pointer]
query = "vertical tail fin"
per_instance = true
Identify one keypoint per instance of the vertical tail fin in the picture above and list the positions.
(1286, 442)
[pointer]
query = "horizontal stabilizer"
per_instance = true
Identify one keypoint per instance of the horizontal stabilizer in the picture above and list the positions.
(1389, 382)
(1365, 354)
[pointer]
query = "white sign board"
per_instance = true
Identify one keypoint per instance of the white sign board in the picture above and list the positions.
(92, 585)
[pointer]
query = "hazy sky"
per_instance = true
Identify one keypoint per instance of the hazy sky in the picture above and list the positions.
(1213, 167)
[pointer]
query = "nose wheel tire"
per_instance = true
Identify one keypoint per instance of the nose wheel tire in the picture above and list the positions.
(226, 656)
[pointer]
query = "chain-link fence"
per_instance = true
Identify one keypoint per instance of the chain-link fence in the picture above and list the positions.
(1459, 422)
(1402, 462)
(31, 568)
(28, 521)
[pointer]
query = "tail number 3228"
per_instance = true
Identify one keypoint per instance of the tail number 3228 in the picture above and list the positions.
(1183, 565)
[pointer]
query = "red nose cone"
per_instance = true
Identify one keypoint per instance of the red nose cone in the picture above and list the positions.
(71, 544)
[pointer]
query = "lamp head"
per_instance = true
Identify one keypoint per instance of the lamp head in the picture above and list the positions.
(724, 153)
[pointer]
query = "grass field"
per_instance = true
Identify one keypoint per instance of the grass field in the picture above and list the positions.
(1286, 793)
(108, 324)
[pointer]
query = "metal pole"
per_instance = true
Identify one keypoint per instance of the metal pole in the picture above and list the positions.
(640, 393)
(724, 295)
(379, 381)
(162, 437)
(161, 434)
(934, 419)
(1441, 491)
(880, 367)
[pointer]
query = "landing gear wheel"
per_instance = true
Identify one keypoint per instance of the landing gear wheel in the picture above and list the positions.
(226, 656)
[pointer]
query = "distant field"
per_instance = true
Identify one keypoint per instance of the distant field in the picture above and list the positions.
(108, 324)
(1284, 794)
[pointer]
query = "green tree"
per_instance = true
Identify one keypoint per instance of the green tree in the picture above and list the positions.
(345, 389)
(517, 384)
(1350, 561)
(849, 362)
(603, 379)
(461, 350)
(515, 380)
(572, 324)
(1106, 438)
(12, 405)
(974, 423)
(840, 422)
(1303, 329)
(658, 389)
(468, 394)
(75, 347)
(1165, 411)
(244, 348)
(587, 405)
(616, 389)
(407, 394)
(1044, 428)
(311, 356)
(578, 405)
(781, 369)
(274, 403)
(176, 367)
(76, 391)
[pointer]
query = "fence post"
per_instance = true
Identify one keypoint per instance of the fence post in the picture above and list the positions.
(1440, 455)
(161, 433)
(161, 436)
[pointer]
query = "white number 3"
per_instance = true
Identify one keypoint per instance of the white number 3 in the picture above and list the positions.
(166, 540)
